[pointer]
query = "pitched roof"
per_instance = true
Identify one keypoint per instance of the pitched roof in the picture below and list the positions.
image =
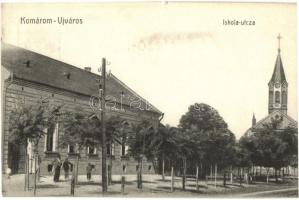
(286, 121)
(34, 67)
(278, 73)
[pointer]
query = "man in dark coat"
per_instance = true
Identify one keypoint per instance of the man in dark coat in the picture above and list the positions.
(67, 165)
(88, 171)
(56, 168)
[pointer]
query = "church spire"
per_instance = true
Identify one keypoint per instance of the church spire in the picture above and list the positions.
(279, 38)
(278, 75)
(253, 120)
(278, 86)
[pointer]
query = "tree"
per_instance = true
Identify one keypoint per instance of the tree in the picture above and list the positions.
(139, 142)
(163, 145)
(80, 131)
(115, 128)
(28, 124)
(272, 147)
(211, 132)
(188, 148)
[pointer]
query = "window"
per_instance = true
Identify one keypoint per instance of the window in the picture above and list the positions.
(50, 167)
(124, 149)
(51, 138)
(71, 148)
(110, 149)
(277, 97)
(284, 97)
(91, 150)
(270, 97)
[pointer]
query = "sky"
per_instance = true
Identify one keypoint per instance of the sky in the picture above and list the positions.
(172, 54)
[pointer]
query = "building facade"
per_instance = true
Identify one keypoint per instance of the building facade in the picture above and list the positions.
(29, 77)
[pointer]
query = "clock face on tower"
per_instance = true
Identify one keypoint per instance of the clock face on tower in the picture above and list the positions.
(277, 85)
(276, 105)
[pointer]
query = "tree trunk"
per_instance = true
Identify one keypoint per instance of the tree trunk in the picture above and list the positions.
(110, 167)
(216, 175)
(197, 188)
(276, 177)
(139, 174)
(268, 174)
(28, 178)
(26, 169)
(282, 177)
(206, 177)
(172, 179)
(77, 167)
(224, 179)
(200, 173)
(35, 171)
(184, 173)
(211, 173)
(231, 175)
(163, 166)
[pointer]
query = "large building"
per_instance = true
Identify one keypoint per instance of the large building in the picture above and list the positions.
(30, 77)
(278, 100)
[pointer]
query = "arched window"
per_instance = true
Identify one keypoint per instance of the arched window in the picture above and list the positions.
(51, 138)
(284, 97)
(270, 97)
(277, 97)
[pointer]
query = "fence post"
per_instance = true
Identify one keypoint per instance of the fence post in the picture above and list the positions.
(197, 188)
(172, 179)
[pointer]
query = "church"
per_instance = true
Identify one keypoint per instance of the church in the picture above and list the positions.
(277, 100)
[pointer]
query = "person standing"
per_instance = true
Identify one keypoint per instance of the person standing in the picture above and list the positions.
(88, 171)
(56, 168)
(66, 167)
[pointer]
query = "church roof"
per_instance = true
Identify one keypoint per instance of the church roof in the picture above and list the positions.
(34, 67)
(286, 121)
(278, 73)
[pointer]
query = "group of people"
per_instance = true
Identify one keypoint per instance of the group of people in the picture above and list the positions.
(67, 167)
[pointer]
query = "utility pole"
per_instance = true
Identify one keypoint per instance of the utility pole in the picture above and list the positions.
(103, 123)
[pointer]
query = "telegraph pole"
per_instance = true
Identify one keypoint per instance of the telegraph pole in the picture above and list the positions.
(103, 123)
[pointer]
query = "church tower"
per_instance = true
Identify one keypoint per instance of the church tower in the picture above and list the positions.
(278, 86)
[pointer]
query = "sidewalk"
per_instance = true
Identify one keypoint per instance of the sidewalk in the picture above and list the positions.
(153, 186)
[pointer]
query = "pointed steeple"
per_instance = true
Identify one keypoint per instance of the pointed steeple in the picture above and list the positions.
(278, 75)
(278, 86)
(253, 120)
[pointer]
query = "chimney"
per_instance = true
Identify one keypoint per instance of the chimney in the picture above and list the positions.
(87, 69)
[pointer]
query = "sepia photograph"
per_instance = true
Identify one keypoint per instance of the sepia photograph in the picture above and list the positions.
(149, 99)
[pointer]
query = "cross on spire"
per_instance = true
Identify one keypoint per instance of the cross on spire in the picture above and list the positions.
(279, 38)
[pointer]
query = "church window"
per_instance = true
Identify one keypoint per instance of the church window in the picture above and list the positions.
(277, 97)
(270, 97)
(284, 97)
